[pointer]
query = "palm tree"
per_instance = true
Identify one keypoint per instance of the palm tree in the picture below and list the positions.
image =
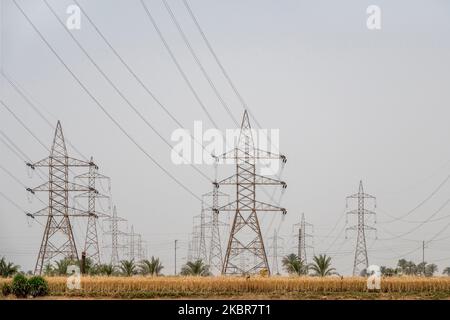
(446, 271)
(128, 267)
(7, 269)
(152, 267)
(106, 269)
(294, 265)
(322, 266)
(195, 268)
(61, 266)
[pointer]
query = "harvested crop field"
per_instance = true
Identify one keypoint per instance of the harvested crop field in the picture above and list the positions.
(252, 288)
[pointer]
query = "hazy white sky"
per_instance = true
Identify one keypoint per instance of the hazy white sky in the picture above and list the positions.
(350, 104)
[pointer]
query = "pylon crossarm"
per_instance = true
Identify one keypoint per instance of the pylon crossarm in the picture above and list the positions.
(87, 195)
(262, 180)
(232, 154)
(259, 206)
(88, 175)
(262, 154)
(41, 213)
(361, 195)
(218, 193)
(41, 163)
(69, 186)
(364, 211)
(258, 180)
(229, 181)
(73, 162)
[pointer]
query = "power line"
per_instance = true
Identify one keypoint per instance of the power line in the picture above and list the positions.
(33, 106)
(127, 66)
(219, 63)
(431, 195)
(136, 77)
(177, 64)
(200, 65)
(120, 93)
(17, 180)
(101, 106)
(23, 125)
(423, 222)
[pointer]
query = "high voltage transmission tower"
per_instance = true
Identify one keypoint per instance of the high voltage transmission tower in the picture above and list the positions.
(275, 251)
(58, 239)
(135, 249)
(115, 233)
(91, 246)
(202, 252)
(215, 258)
(245, 239)
(361, 261)
(302, 235)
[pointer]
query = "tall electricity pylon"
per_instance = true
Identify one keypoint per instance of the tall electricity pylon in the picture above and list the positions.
(202, 253)
(361, 261)
(58, 239)
(115, 232)
(275, 248)
(215, 257)
(91, 247)
(302, 235)
(134, 245)
(131, 244)
(245, 237)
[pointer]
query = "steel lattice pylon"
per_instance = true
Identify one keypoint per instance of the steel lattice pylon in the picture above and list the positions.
(215, 257)
(275, 251)
(245, 239)
(301, 238)
(115, 233)
(91, 246)
(361, 261)
(58, 239)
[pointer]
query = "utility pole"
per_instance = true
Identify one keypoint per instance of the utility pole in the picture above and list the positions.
(176, 257)
(302, 235)
(361, 261)
(245, 237)
(423, 257)
(58, 239)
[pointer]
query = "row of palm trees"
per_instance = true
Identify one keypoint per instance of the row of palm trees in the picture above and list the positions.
(127, 268)
(153, 267)
(321, 266)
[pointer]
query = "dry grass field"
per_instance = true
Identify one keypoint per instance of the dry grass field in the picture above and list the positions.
(254, 288)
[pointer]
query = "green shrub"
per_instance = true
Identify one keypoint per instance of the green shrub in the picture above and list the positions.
(38, 286)
(6, 289)
(20, 286)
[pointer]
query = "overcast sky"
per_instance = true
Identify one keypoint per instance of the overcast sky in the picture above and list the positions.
(350, 103)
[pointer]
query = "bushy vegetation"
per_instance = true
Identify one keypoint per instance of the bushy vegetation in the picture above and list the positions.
(20, 286)
(409, 268)
(6, 289)
(38, 286)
